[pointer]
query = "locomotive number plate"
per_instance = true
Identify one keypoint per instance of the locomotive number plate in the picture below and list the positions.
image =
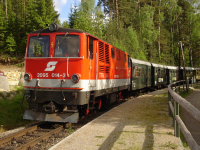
(53, 75)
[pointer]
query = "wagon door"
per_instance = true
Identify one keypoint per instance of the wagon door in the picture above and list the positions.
(92, 46)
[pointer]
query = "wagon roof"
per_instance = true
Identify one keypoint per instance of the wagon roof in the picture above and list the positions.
(140, 62)
(157, 65)
(172, 67)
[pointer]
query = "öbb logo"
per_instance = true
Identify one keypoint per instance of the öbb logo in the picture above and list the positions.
(51, 66)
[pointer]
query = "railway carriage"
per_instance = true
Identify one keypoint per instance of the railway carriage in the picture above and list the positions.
(67, 71)
(141, 74)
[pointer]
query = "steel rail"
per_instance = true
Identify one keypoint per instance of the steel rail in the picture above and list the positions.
(34, 142)
(18, 134)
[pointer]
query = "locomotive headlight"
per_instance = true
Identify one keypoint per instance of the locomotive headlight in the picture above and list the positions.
(52, 27)
(75, 78)
(27, 77)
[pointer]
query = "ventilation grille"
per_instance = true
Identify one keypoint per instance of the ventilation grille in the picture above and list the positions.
(101, 52)
(101, 69)
(107, 69)
(104, 64)
(107, 53)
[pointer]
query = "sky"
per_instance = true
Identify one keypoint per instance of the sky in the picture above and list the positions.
(63, 7)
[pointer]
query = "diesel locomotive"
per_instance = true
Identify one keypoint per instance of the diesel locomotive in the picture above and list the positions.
(69, 72)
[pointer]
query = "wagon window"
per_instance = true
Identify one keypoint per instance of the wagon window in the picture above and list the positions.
(142, 71)
(113, 52)
(38, 46)
(159, 71)
(133, 71)
(149, 72)
(137, 72)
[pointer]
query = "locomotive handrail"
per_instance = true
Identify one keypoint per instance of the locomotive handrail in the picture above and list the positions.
(52, 57)
(193, 111)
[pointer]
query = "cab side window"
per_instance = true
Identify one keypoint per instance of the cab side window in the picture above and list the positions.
(91, 47)
(124, 57)
(113, 52)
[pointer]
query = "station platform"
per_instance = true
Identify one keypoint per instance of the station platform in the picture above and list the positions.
(141, 123)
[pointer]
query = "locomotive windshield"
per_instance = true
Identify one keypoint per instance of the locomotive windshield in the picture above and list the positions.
(68, 46)
(38, 46)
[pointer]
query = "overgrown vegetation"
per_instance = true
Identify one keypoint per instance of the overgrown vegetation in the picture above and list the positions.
(11, 115)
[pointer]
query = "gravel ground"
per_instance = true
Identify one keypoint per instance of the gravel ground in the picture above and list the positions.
(140, 123)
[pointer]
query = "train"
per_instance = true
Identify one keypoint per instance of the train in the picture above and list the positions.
(69, 72)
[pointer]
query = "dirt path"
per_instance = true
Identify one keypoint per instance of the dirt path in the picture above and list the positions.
(192, 125)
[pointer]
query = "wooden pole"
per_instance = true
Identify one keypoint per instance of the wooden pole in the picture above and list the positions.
(184, 66)
(179, 61)
(176, 126)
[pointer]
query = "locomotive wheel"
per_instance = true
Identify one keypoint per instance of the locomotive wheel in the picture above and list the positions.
(125, 94)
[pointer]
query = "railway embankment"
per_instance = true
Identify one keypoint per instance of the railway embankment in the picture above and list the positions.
(140, 123)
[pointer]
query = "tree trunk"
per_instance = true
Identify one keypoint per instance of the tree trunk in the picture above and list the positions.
(117, 12)
(177, 26)
(159, 29)
(139, 15)
(6, 8)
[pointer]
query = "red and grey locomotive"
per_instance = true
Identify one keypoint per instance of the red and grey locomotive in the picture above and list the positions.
(68, 72)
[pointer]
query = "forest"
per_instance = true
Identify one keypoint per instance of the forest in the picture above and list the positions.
(148, 30)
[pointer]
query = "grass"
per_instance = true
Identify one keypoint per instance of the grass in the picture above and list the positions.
(170, 133)
(11, 115)
(185, 94)
(70, 129)
(99, 137)
(170, 145)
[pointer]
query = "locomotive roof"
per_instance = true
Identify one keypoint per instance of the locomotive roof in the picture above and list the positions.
(60, 29)
(140, 62)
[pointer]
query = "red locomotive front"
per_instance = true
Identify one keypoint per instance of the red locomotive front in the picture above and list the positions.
(67, 71)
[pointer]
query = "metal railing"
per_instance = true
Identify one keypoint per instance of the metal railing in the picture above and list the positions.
(174, 101)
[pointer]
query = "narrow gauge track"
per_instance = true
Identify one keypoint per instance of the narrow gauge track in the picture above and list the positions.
(30, 138)
(47, 134)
